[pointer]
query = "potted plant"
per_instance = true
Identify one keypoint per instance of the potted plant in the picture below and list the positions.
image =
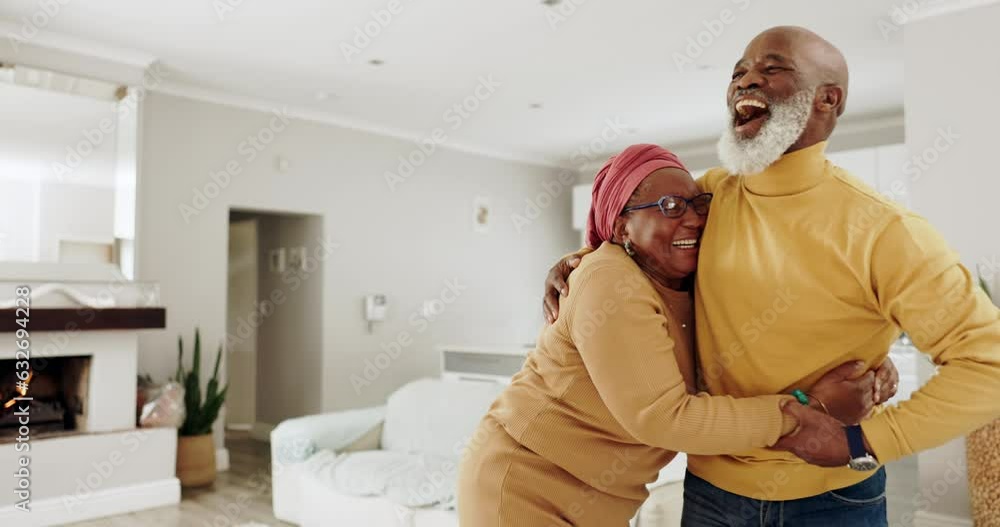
(981, 449)
(195, 447)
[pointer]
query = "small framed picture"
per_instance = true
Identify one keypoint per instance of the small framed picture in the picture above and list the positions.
(481, 214)
(276, 260)
(297, 258)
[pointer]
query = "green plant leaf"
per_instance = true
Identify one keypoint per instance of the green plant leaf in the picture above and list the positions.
(218, 359)
(211, 412)
(196, 366)
(179, 376)
(201, 414)
(192, 401)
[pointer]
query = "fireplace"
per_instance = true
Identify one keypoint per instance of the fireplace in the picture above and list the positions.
(58, 387)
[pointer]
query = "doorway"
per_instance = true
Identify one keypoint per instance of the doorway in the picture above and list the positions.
(274, 318)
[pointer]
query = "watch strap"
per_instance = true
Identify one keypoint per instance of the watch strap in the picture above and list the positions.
(855, 441)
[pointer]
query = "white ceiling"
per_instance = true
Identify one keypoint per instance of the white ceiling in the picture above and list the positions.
(601, 60)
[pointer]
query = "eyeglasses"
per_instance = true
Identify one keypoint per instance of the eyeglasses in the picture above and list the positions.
(676, 206)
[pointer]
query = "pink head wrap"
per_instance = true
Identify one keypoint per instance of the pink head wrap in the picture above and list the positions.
(616, 182)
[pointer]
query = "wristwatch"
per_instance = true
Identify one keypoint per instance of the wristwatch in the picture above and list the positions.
(861, 460)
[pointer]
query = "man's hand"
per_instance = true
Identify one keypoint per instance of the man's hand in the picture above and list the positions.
(848, 391)
(886, 381)
(555, 285)
(819, 440)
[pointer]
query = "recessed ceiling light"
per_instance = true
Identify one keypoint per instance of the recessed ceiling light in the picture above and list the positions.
(631, 130)
(551, 2)
(376, 62)
(535, 106)
(322, 95)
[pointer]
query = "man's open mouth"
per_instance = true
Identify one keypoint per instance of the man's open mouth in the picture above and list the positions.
(749, 115)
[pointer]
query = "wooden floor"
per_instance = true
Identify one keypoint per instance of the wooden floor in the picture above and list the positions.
(248, 481)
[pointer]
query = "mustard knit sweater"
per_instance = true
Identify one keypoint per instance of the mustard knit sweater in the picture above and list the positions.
(803, 268)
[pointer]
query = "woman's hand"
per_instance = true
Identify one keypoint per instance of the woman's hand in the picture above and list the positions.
(555, 285)
(819, 439)
(850, 392)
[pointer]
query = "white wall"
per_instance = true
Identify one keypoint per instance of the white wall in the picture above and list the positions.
(408, 244)
(951, 84)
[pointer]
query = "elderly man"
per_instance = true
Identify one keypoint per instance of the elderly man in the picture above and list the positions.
(803, 267)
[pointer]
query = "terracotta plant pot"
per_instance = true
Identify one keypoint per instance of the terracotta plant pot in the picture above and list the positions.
(196, 460)
(982, 449)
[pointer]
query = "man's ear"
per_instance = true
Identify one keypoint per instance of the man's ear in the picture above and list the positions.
(620, 230)
(830, 99)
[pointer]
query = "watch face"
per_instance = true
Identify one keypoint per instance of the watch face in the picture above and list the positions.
(864, 464)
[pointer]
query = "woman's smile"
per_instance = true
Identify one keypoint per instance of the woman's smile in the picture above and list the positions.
(687, 244)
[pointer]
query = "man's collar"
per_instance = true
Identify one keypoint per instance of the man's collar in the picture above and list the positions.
(792, 173)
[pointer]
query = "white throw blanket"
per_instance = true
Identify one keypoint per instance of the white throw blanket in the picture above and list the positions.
(298, 439)
(411, 480)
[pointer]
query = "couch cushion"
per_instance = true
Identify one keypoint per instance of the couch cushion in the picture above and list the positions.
(411, 480)
(435, 416)
(295, 440)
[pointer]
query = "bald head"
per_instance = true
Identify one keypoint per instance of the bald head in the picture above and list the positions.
(785, 64)
(820, 61)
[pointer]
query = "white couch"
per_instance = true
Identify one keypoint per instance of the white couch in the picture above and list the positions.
(396, 465)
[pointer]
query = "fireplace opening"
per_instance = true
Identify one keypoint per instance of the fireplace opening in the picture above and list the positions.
(58, 386)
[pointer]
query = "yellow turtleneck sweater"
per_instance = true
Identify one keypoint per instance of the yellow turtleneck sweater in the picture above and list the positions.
(802, 268)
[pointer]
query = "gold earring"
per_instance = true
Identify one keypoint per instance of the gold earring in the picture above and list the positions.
(628, 248)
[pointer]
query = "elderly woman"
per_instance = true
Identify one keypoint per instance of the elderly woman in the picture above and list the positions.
(610, 394)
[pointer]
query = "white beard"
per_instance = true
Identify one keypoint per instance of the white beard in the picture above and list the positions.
(745, 157)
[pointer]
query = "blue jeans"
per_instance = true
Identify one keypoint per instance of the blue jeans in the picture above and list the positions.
(860, 505)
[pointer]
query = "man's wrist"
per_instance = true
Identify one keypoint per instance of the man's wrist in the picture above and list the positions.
(868, 446)
(860, 455)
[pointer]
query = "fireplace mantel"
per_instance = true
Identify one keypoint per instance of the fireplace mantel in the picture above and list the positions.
(85, 319)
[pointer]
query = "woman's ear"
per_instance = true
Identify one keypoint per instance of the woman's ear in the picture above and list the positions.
(620, 230)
